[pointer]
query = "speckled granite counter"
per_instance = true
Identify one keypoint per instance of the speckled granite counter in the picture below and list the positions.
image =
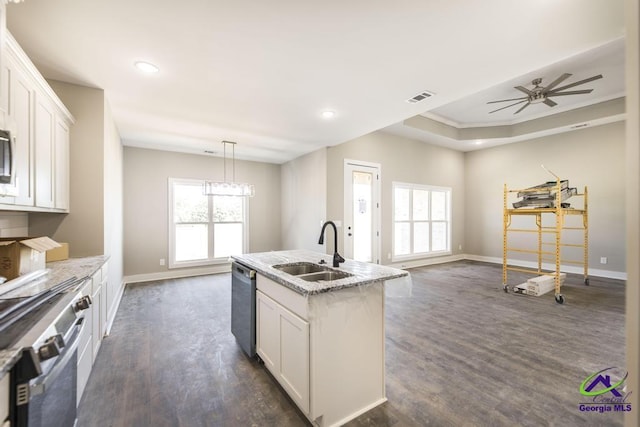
(363, 273)
(8, 358)
(57, 272)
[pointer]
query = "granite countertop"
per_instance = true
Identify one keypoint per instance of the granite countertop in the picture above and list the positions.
(8, 358)
(56, 273)
(363, 273)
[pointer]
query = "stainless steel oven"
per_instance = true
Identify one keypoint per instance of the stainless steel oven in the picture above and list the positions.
(44, 381)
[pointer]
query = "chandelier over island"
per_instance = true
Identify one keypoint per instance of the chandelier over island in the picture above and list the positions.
(228, 188)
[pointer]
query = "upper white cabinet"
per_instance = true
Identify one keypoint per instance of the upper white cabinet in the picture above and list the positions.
(21, 113)
(40, 124)
(44, 121)
(61, 164)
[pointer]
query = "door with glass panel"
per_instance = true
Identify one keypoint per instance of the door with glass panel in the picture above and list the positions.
(362, 211)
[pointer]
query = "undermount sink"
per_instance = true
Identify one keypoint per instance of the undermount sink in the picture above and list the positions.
(299, 268)
(326, 276)
(312, 272)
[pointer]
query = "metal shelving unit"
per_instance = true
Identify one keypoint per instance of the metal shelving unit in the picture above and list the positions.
(550, 251)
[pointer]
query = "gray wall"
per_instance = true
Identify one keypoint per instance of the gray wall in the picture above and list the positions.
(592, 157)
(304, 200)
(113, 208)
(146, 174)
(404, 160)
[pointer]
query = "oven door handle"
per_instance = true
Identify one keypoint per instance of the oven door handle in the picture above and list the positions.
(43, 382)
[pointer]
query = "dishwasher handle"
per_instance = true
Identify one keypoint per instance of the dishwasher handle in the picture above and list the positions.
(241, 270)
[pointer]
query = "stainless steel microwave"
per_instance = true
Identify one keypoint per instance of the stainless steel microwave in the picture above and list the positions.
(8, 185)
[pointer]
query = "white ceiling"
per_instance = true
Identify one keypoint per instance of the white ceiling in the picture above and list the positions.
(261, 73)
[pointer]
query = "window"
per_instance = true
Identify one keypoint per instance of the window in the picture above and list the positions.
(204, 229)
(421, 220)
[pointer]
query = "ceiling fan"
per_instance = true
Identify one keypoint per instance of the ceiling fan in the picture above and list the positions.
(541, 94)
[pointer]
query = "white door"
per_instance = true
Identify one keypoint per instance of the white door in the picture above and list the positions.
(362, 211)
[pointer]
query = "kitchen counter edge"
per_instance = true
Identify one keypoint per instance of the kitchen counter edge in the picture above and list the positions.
(363, 273)
(59, 271)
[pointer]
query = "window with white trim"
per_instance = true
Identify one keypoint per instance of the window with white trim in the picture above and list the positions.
(204, 229)
(421, 220)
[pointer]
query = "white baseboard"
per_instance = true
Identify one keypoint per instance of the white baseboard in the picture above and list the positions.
(609, 274)
(114, 309)
(427, 261)
(177, 274)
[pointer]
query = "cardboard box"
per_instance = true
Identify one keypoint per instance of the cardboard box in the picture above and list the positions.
(22, 255)
(58, 254)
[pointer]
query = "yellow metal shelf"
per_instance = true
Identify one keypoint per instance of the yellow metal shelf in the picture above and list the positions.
(557, 231)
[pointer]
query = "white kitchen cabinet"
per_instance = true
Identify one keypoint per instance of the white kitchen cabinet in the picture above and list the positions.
(96, 314)
(85, 355)
(282, 341)
(41, 125)
(20, 111)
(61, 164)
(104, 301)
(44, 146)
(325, 350)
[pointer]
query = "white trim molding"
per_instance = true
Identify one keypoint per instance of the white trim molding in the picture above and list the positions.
(177, 274)
(609, 274)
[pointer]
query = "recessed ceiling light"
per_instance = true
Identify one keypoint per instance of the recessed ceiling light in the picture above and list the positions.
(479, 142)
(146, 67)
(328, 114)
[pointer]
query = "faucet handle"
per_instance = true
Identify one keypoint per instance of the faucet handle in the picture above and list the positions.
(322, 261)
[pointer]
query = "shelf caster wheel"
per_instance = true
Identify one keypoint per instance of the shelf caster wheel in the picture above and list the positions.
(506, 288)
(586, 281)
(560, 299)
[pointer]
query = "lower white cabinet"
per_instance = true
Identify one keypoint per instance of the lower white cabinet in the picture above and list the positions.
(96, 313)
(85, 350)
(325, 350)
(95, 321)
(282, 341)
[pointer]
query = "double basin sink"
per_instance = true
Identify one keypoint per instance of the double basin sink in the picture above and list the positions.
(312, 272)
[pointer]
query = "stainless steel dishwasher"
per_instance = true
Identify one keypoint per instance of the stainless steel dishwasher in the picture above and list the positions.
(243, 307)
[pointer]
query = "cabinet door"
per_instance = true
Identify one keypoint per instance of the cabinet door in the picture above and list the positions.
(44, 128)
(267, 333)
(294, 357)
(21, 113)
(96, 336)
(282, 341)
(61, 169)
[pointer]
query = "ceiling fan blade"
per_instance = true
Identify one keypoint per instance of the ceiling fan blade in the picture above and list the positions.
(523, 107)
(511, 105)
(550, 103)
(505, 100)
(557, 81)
(571, 92)
(590, 79)
(525, 90)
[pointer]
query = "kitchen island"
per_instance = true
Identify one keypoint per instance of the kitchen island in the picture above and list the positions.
(322, 340)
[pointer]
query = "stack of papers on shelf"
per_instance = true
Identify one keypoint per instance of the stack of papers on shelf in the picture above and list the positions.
(544, 195)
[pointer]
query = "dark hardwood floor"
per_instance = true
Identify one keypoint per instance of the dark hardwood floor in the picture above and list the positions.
(459, 352)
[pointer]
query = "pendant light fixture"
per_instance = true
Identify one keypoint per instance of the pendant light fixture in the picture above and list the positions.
(225, 188)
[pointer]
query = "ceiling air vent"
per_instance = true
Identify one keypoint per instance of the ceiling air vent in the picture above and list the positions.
(420, 97)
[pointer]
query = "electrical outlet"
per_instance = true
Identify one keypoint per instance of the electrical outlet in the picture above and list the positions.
(459, 247)
(389, 255)
(162, 261)
(603, 260)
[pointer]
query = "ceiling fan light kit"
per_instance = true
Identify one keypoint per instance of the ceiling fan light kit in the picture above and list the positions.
(541, 94)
